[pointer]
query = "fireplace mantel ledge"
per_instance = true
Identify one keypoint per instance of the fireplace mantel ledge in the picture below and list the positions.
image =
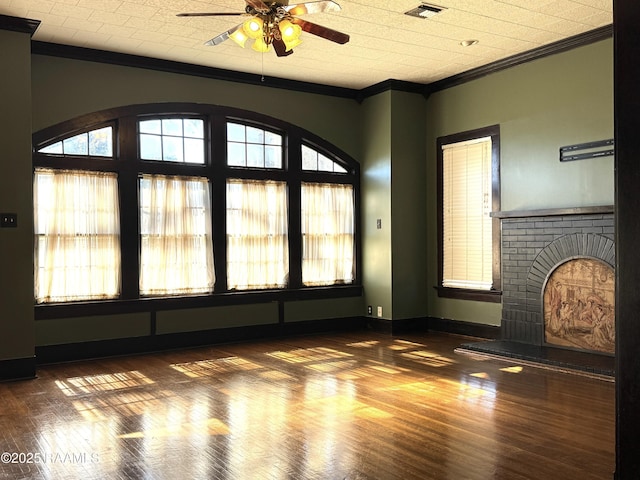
(554, 211)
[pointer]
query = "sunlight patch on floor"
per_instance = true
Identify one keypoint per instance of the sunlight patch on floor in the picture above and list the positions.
(206, 368)
(102, 383)
(514, 369)
(426, 357)
(304, 355)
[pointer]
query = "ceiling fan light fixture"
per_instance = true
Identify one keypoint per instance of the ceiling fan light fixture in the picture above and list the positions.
(239, 37)
(259, 45)
(253, 27)
(275, 23)
(290, 45)
(290, 34)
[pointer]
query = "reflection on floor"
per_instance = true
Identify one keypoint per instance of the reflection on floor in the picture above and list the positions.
(348, 406)
(560, 358)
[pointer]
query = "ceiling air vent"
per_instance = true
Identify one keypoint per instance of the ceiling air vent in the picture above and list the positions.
(424, 11)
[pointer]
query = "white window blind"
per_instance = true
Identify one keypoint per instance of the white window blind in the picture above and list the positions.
(327, 234)
(176, 247)
(467, 225)
(77, 235)
(257, 234)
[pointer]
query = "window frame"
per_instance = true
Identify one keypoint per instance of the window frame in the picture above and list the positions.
(494, 294)
(127, 164)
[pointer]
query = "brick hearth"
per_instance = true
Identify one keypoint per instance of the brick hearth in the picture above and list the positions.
(534, 243)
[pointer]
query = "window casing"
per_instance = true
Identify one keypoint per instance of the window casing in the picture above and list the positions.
(469, 237)
(234, 161)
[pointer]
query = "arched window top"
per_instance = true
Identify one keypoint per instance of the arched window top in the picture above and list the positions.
(92, 143)
(188, 133)
(313, 160)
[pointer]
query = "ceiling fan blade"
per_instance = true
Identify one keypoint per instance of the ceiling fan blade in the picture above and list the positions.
(258, 5)
(313, 7)
(209, 14)
(320, 31)
(217, 40)
(280, 48)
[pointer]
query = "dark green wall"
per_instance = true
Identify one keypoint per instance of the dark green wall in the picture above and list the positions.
(64, 89)
(16, 251)
(408, 205)
(376, 203)
(540, 106)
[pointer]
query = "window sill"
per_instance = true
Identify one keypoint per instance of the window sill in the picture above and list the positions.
(154, 304)
(491, 296)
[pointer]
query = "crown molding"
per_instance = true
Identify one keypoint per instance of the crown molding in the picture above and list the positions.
(391, 84)
(570, 43)
(18, 24)
(426, 89)
(137, 61)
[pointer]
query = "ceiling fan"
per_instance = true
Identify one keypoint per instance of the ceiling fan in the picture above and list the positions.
(275, 23)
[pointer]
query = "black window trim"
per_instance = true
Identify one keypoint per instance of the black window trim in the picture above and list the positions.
(495, 294)
(126, 163)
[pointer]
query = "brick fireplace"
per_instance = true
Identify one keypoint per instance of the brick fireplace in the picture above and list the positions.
(534, 245)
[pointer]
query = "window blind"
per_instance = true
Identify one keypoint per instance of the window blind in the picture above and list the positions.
(467, 225)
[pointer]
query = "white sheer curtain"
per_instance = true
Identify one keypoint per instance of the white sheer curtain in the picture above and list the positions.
(77, 235)
(327, 234)
(257, 234)
(176, 249)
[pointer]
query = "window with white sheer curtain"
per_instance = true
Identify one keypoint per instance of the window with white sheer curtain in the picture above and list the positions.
(176, 248)
(467, 225)
(158, 200)
(77, 235)
(327, 212)
(257, 234)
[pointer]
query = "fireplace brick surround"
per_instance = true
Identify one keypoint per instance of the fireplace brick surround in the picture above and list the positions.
(533, 244)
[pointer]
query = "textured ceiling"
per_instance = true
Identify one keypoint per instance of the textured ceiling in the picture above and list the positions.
(385, 44)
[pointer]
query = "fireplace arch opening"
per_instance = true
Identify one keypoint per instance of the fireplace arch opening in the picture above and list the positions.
(579, 306)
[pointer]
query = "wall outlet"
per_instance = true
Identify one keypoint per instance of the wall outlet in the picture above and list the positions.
(8, 220)
(379, 311)
(369, 310)
(379, 223)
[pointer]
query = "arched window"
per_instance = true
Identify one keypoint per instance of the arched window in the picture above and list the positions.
(191, 201)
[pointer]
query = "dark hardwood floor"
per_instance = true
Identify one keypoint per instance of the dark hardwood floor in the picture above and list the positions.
(346, 406)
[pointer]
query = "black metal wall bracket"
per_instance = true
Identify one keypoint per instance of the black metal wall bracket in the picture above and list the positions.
(582, 151)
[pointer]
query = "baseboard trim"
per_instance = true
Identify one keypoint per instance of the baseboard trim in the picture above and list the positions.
(464, 328)
(70, 352)
(17, 369)
(425, 324)
(396, 327)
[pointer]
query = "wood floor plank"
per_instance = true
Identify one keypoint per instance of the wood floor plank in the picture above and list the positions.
(347, 406)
